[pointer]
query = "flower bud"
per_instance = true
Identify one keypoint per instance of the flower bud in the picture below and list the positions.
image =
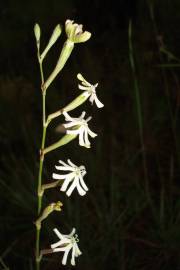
(55, 35)
(76, 102)
(80, 77)
(65, 53)
(71, 106)
(37, 33)
(47, 211)
(64, 140)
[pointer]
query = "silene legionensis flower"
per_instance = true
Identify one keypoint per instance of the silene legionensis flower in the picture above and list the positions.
(65, 244)
(79, 126)
(75, 177)
(90, 91)
(75, 32)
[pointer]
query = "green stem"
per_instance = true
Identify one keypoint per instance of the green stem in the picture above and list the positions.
(3, 264)
(41, 71)
(41, 161)
(50, 185)
(54, 115)
(139, 113)
(172, 116)
(37, 248)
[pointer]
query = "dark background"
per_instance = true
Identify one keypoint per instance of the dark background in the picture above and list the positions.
(130, 218)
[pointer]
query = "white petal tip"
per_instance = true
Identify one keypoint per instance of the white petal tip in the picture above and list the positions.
(87, 146)
(63, 189)
(80, 77)
(57, 176)
(82, 194)
(100, 106)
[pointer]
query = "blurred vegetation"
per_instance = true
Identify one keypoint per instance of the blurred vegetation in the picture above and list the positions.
(130, 218)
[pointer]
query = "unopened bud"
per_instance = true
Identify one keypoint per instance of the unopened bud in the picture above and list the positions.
(76, 102)
(37, 33)
(65, 53)
(55, 35)
(64, 140)
(47, 211)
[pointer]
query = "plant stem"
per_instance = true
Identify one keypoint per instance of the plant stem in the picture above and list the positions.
(172, 115)
(37, 248)
(50, 185)
(139, 113)
(3, 264)
(54, 115)
(41, 161)
(41, 169)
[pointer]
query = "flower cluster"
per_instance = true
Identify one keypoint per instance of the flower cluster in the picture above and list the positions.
(75, 176)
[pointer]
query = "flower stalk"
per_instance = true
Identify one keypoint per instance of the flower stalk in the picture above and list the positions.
(49, 185)
(37, 32)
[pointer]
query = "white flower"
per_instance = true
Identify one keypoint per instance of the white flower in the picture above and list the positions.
(75, 176)
(79, 127)
(90, 91)
(66, 243)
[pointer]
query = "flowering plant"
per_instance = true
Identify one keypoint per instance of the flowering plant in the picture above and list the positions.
(73, 176)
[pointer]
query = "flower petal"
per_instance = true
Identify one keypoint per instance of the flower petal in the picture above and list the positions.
(89, 118)
(86, 88)
(72, 232)
(84, 173)
(64, 260)
(72, 187)
(98, 102)
(59, 249)
(78, 251)
(92, 97)
(60, 243)
(63, 168)
(83, 183)
(67, 116)
(73, 132)
(91, 133)
(82, 115)
(73, 256)
(87, 142)
(58, 176)
(67, 181)
(59, 235)
(71, 164)
(81, 78)
(80, 190)
(81, 136)
(68, 125)
(63, 163)
(82, 37)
